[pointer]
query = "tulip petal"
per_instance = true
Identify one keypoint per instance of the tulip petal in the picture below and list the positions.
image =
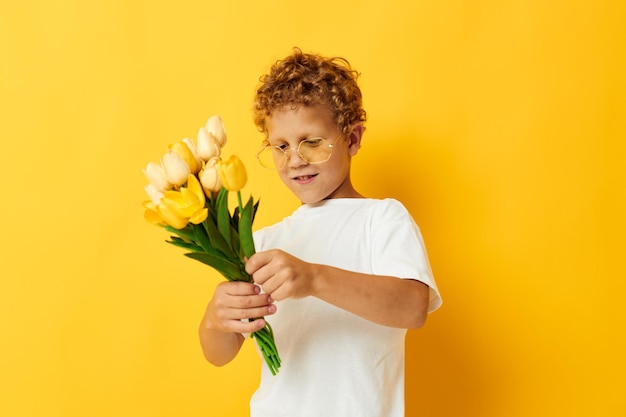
(210, 180)
(210, 177)
(182, 150)
(208, 147)
(180, 209)
(199, 216)
(154, 194)
(151, 214)
(171, 218)
(215, 126)
(156, 176)
(233, 173)
(174, 198)
(194, 151)
(177, 203)
(176, 169)
(194, 186)
(153, 218)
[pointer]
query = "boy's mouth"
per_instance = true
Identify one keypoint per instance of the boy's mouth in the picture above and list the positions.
(304, 178)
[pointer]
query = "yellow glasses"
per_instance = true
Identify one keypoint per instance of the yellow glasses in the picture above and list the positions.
(311, 150)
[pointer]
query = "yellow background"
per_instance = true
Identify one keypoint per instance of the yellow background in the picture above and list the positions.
(500, 125)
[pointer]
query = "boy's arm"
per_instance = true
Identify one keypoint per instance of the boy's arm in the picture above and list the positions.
(385, 300)
(221, 327)
(219, 348)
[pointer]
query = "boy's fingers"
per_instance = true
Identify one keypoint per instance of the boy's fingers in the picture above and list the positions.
(252, 313)
(256, 261)
(250, 301)
(240, 288)
(239, 326)
(248, 327)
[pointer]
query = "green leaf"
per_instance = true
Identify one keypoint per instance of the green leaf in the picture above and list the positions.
(234, 242)
(223, 215)
(210, 205)
(186, 232)
(184, 244)
(202, 238)
(234, 232)
(245, 229)
(234, 221)
(229, 270)
(217, 240)
(256, 207)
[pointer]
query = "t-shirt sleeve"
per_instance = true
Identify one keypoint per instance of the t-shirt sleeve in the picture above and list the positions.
(398, 248)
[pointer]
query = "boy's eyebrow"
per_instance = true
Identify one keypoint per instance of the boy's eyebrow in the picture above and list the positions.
(301, 138)
(282, 140)
(273, 140)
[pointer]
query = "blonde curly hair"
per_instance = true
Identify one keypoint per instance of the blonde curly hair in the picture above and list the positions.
(309, 80)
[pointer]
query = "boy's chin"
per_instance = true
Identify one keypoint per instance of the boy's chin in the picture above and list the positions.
(310, 199)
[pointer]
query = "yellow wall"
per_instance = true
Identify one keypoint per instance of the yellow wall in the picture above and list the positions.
(501, 125)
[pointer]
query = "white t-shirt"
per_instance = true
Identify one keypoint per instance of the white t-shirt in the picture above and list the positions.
(334, 363)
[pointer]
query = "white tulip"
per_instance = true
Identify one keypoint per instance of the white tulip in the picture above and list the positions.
(215, 126)
(176, 169)
(154, 194)
(156, 175)
(210, 176)
(208, 146)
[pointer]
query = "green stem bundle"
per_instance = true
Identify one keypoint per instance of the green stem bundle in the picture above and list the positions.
(265, 342)
(224, 241)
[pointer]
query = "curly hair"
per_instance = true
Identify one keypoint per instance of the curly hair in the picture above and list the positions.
(309, 80)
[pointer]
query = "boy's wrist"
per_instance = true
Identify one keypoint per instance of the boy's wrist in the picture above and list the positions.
(319, 279)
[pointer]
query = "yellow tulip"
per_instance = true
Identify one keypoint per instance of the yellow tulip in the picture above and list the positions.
(215, 126)
(210, 177)
(170, 217)
(182, 149)
(194, 151)
(233, 173)
(186, 205)
(151, 214)
(208, 146)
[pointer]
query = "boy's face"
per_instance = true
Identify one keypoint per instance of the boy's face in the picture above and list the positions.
(312, 183)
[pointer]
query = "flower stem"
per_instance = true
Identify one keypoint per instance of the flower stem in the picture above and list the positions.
(240, 202)
(267, 346)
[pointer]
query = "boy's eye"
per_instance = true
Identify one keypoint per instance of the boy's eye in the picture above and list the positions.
(281, 146)
(312, 142)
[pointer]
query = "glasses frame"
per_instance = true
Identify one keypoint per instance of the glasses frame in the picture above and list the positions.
(286, 154)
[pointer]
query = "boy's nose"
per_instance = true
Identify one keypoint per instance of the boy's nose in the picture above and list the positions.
(293, 158)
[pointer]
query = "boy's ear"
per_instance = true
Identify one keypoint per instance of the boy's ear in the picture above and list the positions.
(354, 139)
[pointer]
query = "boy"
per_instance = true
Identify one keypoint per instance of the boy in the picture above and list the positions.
(342, 278)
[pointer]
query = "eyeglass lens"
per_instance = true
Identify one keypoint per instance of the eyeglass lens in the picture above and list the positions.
(312, 150)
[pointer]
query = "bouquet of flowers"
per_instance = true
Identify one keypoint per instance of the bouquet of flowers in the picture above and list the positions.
(189, 192)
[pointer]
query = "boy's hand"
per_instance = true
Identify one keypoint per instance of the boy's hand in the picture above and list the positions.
(234, 301)
(281, 275)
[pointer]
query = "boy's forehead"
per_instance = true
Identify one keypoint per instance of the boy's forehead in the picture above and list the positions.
(288, 121)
